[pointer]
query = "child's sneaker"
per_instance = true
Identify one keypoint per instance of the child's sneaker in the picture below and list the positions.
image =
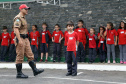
(46, 61)
(40, 60)
(114, 62)
(108, 61)
(121, 62)
(124, 62)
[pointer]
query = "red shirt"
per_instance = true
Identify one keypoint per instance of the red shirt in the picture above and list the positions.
(110, 36)
(82, 33)
(12, 37)
(5, 39)
(43, 33)
(92, 41)
(34, 37)
(122, 36)
(101, 40)
(71, 41)
(57, 36)
(65, 43)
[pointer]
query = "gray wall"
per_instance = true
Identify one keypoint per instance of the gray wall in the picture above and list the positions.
(93, 12)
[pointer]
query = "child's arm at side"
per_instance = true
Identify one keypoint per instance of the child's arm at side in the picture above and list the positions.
(61, 37)
(95, 37)
(116, 40)
(77, 43)
(52, 37)
(105, 32)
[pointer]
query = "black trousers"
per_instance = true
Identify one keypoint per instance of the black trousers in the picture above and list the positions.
(65, 53)
(102, 53)
(3, 52)
(81, 52)
(71, 57)
(35, 52)
(92, 54)
(56, 51)
(12, 53)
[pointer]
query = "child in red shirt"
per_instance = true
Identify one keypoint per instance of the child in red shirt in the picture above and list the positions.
(12, 49)
(65, 44)
(5, 43)
(72, 40)
(101, 44)
(45, 37)
(122, 41)
(57, 37)
(35, 36)
(110, 33)
(92, 45)
(82, 33)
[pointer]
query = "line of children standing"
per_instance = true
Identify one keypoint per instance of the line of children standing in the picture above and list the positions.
(6, 40)
(107, 37)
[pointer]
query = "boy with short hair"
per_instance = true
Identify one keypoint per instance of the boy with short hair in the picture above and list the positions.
(82, 33)
(45, 37)
(72, 40)
(5, 43)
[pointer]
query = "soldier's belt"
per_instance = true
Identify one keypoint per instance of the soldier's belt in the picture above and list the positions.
(24, 36)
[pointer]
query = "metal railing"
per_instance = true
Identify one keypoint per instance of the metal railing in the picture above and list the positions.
(7, 3)
(50, 2)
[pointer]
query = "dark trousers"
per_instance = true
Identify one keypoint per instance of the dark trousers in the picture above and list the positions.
(81, 52)
(102, 53)
(12, 53)
(56, 51)
(3, 52)
(35, 52)
(92, 54)
(71, 56)
(65, 52)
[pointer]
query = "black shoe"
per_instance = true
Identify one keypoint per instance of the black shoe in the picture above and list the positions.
(35, 70)
(74, 74)
(19, 71)
(54, 61)
(21, 75)
(89, 62)
(68, 74)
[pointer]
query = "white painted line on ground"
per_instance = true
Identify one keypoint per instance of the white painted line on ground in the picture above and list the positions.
(7, 75)
(99, 67)
(12, 76)
(85, 80)
(79, 73)
(72, 79)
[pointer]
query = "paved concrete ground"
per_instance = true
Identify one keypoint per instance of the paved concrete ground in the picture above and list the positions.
(53, 76)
